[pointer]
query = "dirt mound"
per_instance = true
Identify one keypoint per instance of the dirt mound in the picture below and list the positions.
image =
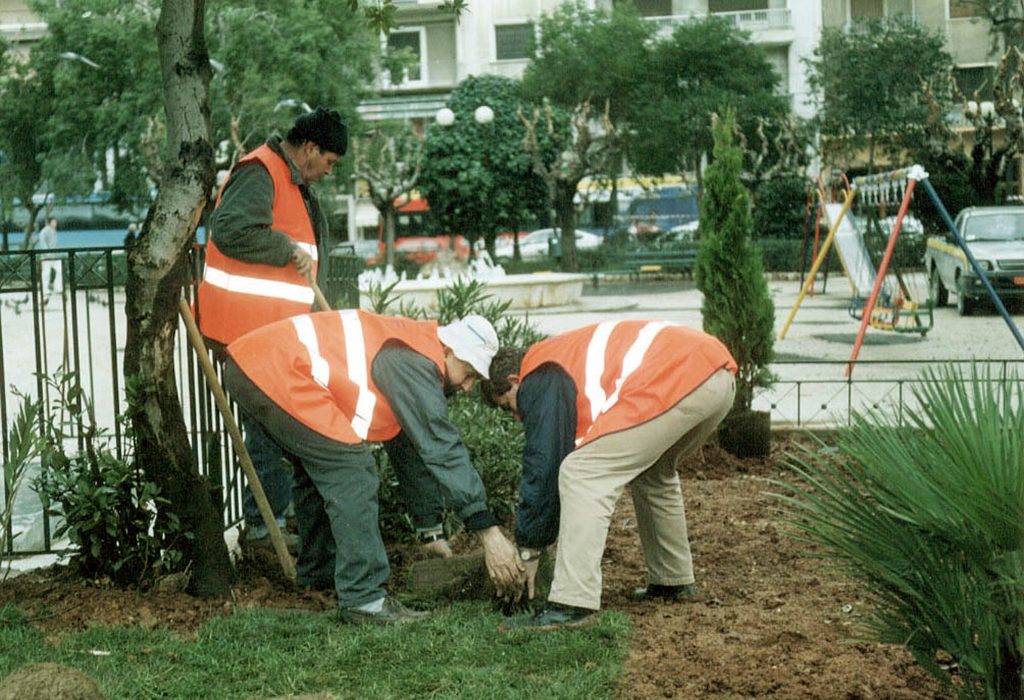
(767, 620)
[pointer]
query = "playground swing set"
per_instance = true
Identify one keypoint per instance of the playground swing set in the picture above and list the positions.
(897, 295)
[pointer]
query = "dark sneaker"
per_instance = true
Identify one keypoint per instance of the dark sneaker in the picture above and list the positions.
(553, 616)
(657, 591)
(393, 613)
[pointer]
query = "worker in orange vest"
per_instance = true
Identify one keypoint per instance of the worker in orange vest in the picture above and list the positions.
(604, 407)
(268, 236)
(322, 386)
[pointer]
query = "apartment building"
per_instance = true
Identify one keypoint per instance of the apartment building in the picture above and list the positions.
(19, 26)
(968, 33)
(493, 37)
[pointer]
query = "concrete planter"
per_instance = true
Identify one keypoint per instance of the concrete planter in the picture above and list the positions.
(524, 291)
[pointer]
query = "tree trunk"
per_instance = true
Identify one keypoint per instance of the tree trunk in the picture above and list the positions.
(565, 211)
(157, 269)
(389, 215)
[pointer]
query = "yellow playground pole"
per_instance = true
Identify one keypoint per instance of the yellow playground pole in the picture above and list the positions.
(850, 194)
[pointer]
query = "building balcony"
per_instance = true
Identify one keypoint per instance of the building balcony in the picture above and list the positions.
(769, 26)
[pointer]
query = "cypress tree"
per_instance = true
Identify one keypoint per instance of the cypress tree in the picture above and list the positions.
(737, 308)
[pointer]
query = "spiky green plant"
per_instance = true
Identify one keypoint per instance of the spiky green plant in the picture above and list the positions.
(929, 518)
(25, 446)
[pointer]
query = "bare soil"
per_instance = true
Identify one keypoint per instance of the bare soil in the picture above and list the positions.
(767, 622)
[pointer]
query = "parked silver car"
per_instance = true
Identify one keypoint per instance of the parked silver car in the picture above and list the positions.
(995, 237)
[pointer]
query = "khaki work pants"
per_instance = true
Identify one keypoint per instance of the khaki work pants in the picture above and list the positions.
(592, 478)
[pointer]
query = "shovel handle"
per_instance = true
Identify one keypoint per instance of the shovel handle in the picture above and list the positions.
(276, 539)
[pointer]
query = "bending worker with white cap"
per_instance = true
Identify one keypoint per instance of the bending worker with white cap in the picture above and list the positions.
(322, 385)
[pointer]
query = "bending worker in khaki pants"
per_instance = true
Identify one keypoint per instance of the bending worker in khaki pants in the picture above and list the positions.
(604, 407)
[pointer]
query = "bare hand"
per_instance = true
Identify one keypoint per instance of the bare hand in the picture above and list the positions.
(438, 549)
(303, 263)
(503, 564)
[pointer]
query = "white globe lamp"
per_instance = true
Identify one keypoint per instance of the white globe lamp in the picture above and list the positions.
(483, 115)
(445, 117)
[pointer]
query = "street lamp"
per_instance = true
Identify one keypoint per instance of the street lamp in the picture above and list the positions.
(72, 56)
(292, 102)
(481, 115)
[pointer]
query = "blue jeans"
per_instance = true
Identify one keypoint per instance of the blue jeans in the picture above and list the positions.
(268, 461)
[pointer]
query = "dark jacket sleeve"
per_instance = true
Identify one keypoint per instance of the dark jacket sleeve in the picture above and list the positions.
(414, 390)
(241, 223)
(546, 403)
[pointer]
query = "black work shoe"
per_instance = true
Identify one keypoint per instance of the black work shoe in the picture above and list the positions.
(553, 616)
(393, 613)
(657, 591)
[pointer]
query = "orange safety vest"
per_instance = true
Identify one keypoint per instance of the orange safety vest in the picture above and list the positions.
(628, 372)
(236, 297)
(316, 368)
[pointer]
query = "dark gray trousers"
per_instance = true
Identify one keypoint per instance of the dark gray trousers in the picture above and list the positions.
(335, 493)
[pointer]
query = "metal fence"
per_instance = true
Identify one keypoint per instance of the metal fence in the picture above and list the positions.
(82, 328)
(76, 323)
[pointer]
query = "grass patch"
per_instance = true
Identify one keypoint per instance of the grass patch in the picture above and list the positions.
(458, 653)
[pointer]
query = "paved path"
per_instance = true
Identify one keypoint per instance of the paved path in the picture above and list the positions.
(811, 359)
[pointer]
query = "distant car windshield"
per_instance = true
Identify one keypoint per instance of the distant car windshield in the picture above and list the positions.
(994, 227)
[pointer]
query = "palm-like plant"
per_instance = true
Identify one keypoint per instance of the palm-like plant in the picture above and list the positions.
(929, 518)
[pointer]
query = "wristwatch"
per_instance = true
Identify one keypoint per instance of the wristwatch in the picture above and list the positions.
(529, 554)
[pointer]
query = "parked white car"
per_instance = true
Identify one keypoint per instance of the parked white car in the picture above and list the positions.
(534, 246)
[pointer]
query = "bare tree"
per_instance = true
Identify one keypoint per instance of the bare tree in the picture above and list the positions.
(562, 157)
(389, 163)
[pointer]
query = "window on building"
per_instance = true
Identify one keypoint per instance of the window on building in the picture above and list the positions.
(411, 40)
(737, 5)
(867, 8)
(513, 41)
(965, 8)
(973, 79)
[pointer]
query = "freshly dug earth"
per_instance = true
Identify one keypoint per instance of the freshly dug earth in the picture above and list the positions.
(767, 621)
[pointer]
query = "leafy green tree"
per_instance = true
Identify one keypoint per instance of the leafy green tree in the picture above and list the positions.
(780, 207)
(737, 308)
(105, 98)
(476, 176)
(592, 56)
(923, 511)
(705, 66)
(25, 94)
(873, 83)
(585, 54)
(275, 56)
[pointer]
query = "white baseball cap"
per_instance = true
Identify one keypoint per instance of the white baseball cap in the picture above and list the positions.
(473, 340)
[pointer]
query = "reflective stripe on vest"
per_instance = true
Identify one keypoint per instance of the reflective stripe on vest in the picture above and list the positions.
(257, 286)
(628, 372)
(355, 350)
(317, 368)
(596, 353)
(236, 297)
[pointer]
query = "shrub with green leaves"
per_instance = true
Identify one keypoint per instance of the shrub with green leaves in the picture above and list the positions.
(494, 438)
(109, 509)
(25, 447)
(927, 515)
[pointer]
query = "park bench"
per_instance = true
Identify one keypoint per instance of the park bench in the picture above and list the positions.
(637, 263)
